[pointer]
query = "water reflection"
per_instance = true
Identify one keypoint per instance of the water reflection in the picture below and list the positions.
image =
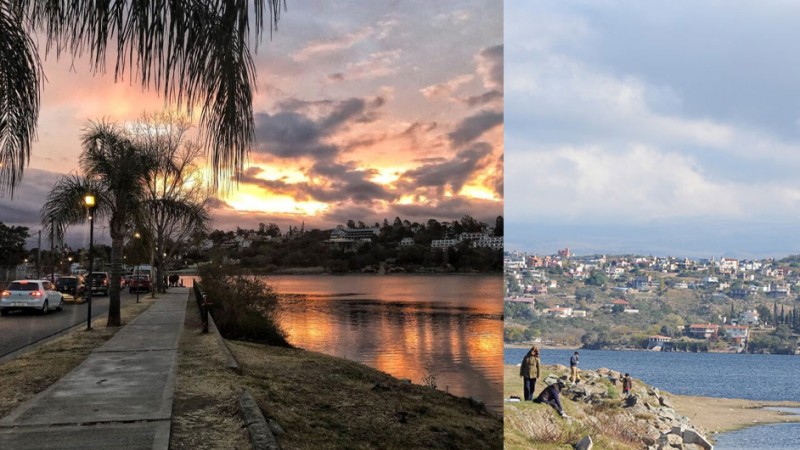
(401, 324)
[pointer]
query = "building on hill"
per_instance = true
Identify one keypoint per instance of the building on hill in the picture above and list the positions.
(749, 317)
(657, 342)
(703, 331)
(406, 242)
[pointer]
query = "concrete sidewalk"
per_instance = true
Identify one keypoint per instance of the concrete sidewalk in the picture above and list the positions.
(120, 397)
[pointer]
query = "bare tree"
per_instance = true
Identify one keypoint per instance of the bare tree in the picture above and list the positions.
(176, 195)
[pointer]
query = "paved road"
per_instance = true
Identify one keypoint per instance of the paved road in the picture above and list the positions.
(23, 328)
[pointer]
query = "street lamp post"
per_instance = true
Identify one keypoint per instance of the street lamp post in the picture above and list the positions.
(138, 281)
(90, 202)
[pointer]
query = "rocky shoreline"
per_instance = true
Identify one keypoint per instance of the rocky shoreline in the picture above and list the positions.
(601, 416)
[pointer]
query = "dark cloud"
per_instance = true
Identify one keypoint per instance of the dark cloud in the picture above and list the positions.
(338, 76)
(215, 203)
(419, 127)
(347, 183)
(474, 126)
(292, 133)
(23, 208)
(484, 99)
(498, 181)
(454, 172)
(451, 208)
(491, 66)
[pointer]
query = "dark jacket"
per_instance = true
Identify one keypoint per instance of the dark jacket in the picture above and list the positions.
(549, 393)
(530, 367)
(573, 361)
(627, 383)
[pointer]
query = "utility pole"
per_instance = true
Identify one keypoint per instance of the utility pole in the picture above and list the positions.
(52, 256)
(39, 257)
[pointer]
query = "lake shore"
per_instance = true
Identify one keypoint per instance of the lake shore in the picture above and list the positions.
(718, 415)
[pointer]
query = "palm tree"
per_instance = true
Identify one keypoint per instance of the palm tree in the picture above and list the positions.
(114, 170)
(192, 52)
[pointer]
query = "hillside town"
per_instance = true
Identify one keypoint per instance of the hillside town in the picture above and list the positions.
(652, 302)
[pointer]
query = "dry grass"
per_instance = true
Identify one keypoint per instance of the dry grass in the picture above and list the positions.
(327, 402)
(32, 372)
(531, 425)
(205, 410)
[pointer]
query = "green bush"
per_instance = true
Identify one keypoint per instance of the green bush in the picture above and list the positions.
(244, 308)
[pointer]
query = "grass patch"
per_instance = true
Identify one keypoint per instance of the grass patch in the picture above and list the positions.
(327, 402)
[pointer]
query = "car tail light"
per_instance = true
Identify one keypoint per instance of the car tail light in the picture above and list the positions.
(36, 294)
(6, 294)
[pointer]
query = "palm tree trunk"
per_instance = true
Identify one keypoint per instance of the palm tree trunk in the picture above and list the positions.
(117, 241)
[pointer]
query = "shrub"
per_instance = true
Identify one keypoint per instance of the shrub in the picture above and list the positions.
(244, 308)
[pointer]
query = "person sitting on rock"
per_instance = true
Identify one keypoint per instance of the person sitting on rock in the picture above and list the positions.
(627, 384)
(551, 395)
(530, 370)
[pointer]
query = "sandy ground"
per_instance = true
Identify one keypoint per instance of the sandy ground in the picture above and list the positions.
(726, 414)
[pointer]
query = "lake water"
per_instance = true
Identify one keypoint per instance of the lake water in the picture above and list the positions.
(766, 377)
(400, 324)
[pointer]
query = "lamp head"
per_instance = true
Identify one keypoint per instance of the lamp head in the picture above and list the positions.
(88, 200)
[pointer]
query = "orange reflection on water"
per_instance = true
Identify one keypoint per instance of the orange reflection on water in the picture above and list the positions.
(403, 326)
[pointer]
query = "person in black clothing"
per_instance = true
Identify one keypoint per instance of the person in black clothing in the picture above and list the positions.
(551, 395)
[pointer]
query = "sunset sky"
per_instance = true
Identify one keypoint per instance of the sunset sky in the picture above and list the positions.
(364, 111)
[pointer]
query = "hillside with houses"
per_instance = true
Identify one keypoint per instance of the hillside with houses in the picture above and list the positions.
(649, 302)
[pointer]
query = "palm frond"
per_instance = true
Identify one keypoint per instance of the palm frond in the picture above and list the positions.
(65, 204)
(20, 77)
(193, 52)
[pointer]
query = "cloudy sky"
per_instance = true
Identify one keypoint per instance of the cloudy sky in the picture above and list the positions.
(364, 111)
(669, 128)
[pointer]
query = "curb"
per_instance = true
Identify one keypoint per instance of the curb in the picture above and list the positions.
(260, 434)
(230, 360)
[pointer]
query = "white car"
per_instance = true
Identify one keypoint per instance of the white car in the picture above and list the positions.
(31, 294)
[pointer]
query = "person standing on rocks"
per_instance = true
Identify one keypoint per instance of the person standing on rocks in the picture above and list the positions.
(627, 384)
(574, 375)
(530, 370)
(551, 395)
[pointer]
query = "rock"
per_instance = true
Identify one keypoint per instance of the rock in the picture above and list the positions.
(653, 392)
(693, 437)
(603, 371)
(585, 443)
(675, 440)
(678, 430)
(631, 401)
(275, 427)
(664, 401)
(550, 379)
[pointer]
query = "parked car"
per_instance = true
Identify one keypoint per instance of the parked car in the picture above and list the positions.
(139, 283)
(99, 282)
(74, 286)
(30, 294)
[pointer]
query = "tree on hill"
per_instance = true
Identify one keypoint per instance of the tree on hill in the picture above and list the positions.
(192, 53)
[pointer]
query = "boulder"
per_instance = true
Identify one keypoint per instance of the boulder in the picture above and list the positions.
(674, 441)
(585, 443)
(693, 437)
(664, 401)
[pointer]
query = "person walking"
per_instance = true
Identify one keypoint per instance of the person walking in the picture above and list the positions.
(551, 395)
(530, 371)
(574, 374)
